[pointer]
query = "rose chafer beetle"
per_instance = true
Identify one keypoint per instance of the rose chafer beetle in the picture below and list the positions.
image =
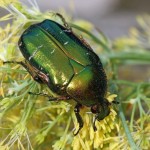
(55, 56)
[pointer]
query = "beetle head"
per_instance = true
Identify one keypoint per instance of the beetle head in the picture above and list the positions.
(101, 110)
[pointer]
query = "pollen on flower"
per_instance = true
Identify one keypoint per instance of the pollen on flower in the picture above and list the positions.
(110, 97)
(1, 63)
(76, 143)
(1, 92)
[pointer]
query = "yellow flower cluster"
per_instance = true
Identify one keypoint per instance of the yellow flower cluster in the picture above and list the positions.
(87, 139)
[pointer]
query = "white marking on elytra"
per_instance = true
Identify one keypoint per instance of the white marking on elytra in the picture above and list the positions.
(61, 32)
(66, 43)
(39, 46)
(65, 31)
(34, 53)
(37, 35)
(52, 51)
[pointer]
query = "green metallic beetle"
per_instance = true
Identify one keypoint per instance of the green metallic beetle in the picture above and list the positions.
(55, 56)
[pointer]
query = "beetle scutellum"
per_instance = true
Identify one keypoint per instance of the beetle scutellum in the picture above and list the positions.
(55, 56)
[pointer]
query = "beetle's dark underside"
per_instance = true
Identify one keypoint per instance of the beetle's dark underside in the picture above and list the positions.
(58, 58)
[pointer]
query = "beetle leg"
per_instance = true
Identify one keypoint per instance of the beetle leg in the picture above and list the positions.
(28, 68)
(94, 126)
(64, 21)
(16, 62)
(78, 116)
(51, 98)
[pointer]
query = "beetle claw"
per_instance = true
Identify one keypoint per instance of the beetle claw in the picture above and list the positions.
(94, 126)
(77, 131)
(79, 118)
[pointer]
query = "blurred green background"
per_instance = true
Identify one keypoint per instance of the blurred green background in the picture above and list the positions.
(113, 17)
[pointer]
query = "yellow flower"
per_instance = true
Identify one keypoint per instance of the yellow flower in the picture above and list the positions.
(111, 97)
(87, 138)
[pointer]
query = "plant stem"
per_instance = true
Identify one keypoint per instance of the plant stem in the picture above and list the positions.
(133, 56)
(127, 131)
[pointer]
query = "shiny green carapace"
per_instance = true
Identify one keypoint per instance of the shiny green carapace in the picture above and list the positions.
(55, 56)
